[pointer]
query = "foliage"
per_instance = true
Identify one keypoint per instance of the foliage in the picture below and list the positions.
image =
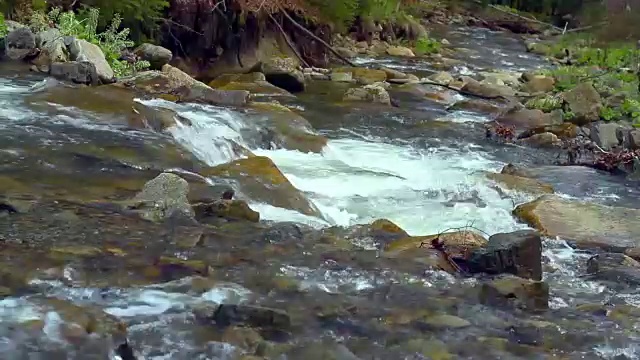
(426, 45)
(546, 104)
(3, 27)
(342, 12)
(84, 25)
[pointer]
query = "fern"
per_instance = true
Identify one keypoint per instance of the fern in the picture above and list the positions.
(3, 27)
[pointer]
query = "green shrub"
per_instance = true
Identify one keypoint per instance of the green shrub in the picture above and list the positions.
(3, 27)
(426, 45)
(546, 104)
(84, 25)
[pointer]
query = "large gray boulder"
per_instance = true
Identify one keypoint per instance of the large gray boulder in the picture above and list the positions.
(20, 43)
(82, 50)
(52, 49)
(164, 198)
(79, 72)
(156, 55)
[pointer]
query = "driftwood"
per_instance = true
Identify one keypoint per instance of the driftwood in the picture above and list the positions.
(312, 35)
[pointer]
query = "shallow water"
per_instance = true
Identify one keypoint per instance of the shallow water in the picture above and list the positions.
(376, 165)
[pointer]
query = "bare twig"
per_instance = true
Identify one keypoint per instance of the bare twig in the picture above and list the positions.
(312, 35)
(287, 40)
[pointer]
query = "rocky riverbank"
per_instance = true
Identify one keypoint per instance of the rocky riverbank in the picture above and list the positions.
(117, 234)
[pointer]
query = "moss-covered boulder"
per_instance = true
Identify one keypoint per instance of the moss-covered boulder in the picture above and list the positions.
(261, 180)
(363, 76)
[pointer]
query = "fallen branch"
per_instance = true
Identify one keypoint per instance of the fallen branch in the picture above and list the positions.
(527, 18)
(312, 35)
(288, 41)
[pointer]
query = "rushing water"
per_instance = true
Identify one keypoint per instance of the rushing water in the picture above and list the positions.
(424, 183)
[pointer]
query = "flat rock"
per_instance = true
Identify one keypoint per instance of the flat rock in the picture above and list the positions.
(587, 224)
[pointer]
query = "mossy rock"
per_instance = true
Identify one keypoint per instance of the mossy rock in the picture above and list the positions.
(227, 209)
(256, 88)
(466, 239)
(108, 99)
(261, 180)
(364, 76)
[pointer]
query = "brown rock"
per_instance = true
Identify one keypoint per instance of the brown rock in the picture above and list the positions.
(520, 183)
(512, 290)
(545, 139)
(518, 253)
(585, 102)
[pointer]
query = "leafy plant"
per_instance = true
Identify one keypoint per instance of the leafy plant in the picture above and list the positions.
(546, 104)
(3, 27)
(84, 26)
(426, 45)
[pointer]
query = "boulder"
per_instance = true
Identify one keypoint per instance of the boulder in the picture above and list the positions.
(521, 117)
(82, 50)
(584, 102)
(226, 209)
(346, 52)
(510, 290)
(156, 55)
(614, 268)
(175, 82)
(502, 78)
(225, 315)
(261, 180)
(283, 72)
(79, 72)
(374, 93)
(562, 131)
(633, 139)
(155, 118)
(486, 90)
(441, 77)
(163, 198)
(588, 225)
(537, 48)
(518, 253)
(542, 140)
(606, 134)
(20, 44)
(283, 128)
(393, 74)
(52, 49)
(400, 51)
(540, 83)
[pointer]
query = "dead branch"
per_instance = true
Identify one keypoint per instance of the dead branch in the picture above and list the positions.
(526, 18)
(288, 41)
(312, 35)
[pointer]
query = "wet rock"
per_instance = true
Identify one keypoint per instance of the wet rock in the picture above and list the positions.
(502, 78)
(400, 51)
(83, 72)
(586, 224)
(518, 253)
(393, 74)
(167, 269)
(520, 183)
(374, 93)
(364, 76)
(261, 180)
(286, 129)
(445, 321)
(163, 198)
(614, 268)
(52, 49)
(537, 48)
(515, 170)
(227, 209)
(20, 43)
(585, 102)
(341, 77)
(562, 131)
(156, 55)
(522, 117)
(633, 253)
(540, 83)
(633, 137)
(245, 338)
(176, 82)
(606, 134)
(463, 239)
(542, 140)
(325, 350)
(84, 51)
(88, 319)
(514, 291)
(475, 105)
(244, 315)
(441, 77)
(256, 88)
(430, 348)
(283, 72)
(154, 118)
(486, 90)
